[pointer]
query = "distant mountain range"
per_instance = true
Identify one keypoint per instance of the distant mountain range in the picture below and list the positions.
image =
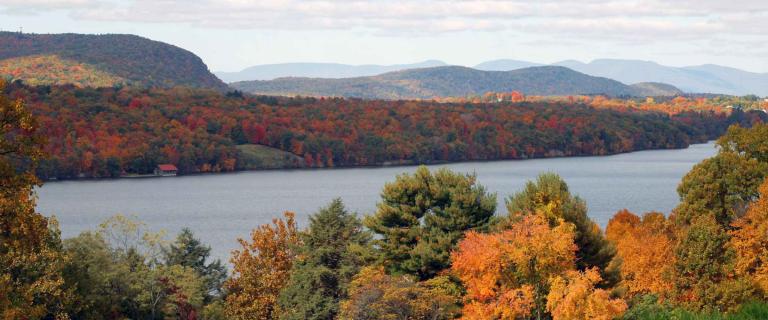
(505, 65)
(318, 70)
(114, 59)
(101, 60)
(454, 81)
(694, 79)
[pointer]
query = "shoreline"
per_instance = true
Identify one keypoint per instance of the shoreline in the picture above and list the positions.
(375, 166)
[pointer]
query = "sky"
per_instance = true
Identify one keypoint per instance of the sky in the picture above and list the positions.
(230, 35)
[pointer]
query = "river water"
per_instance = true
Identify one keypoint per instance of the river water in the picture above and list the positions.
(220, 208)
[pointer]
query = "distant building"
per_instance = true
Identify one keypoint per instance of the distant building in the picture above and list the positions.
(166, 170)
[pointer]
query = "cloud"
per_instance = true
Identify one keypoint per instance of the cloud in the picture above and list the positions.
(612, 20)
(33, 6)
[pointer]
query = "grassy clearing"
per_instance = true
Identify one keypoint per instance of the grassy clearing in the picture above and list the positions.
(254, 156)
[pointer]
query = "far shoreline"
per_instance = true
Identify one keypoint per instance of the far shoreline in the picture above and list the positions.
(373, 166)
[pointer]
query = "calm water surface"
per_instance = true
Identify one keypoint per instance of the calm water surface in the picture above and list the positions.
(220, 208)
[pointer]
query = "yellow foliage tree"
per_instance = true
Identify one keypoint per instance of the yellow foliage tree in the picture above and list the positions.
(645, 251)
(749, 240)
(506, 273)
(261, 270)
(574, 296)
(373, 294)
(30, 249)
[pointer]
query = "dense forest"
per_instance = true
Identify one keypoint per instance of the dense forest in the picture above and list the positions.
(435, 248)
(111, 132)
(118, 58)
(455, 81)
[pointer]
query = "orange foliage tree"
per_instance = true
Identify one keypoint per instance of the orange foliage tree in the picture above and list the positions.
(645, 251)
(506, 273)
(574, 296)
(749, 241)
(261, 270)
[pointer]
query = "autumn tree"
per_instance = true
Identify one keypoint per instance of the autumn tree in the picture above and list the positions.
(574, 296)
(261, 268)
(375, 295)
(30, 250)
(749, 242)
(506, 273)
(423, 215)
(333, 250)
(644, 251)
(550, 198)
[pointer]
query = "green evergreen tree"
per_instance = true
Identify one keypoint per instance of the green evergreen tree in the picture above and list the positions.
(188, 251)
(333, 250)
(549, 196)
(423, 215)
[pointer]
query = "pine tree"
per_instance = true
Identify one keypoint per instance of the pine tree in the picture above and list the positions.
(333, 250)
(188, 251)
(422, 216)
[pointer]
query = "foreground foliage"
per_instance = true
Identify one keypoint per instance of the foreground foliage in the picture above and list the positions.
(574, 296)
(422, 216)
(262, 269)
(549, 197)
(506, 274)
(373, 294)
(31, 261)
(333, 250)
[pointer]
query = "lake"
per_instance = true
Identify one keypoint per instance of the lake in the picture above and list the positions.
(219, 208)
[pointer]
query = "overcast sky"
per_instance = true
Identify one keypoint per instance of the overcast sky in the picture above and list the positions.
(232, 34)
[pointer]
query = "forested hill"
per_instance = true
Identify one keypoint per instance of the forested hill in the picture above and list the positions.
(453, 81)
(109, 132)
(101, 60)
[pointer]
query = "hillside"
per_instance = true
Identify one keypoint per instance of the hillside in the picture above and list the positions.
(449, 81)
(656, 89)
(107, 132)
(112, 59)
(318, 70)
(50, 69)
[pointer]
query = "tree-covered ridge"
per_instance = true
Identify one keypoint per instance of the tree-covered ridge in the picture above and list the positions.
(454, 81)
(108, 132)
(52, 70)
(139, 61)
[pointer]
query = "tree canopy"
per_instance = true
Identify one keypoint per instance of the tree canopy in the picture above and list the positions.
(423, 215)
